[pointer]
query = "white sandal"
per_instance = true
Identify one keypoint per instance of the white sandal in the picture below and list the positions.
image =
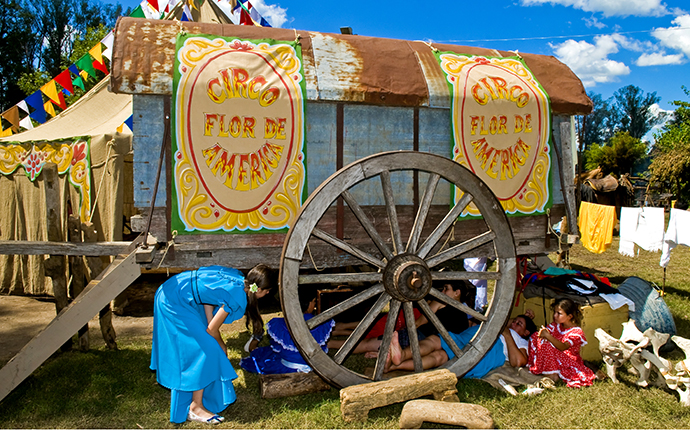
(216, 419)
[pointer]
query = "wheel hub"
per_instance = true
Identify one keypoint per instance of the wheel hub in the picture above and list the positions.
(407, 278)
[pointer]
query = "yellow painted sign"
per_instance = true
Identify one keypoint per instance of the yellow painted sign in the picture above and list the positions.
(501, 122)
(239, 123)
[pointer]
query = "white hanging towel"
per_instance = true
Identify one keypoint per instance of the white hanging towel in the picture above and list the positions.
(678, 233)
(641, 226)
(650, 229)
(628, 227)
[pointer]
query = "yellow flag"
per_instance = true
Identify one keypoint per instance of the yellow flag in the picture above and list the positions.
(48, 106)
(6, 132)
(97, 52)
(50, 90)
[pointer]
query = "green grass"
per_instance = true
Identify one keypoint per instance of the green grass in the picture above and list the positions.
(115, 389)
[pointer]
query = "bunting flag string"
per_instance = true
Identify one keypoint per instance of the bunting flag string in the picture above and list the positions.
(48, 108)
(65, 80)
(12, 116)
(248, 14)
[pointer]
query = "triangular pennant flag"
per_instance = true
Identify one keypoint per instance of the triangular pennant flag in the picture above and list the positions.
(72, 68)
(264, 23)
(50, 90)
(186, 13)
(154, 4)
(12, 115)
(78, 82)
(22, 105)
(130, 121)
(65, 79)
(100, 66)
(35, 100)
(6, 132)
(61, 101)
(85, 64)
(245, 18)
(48, 107)
(138, 12)
(120, 127)
(26, 123)
(96, 52)
(108, 42)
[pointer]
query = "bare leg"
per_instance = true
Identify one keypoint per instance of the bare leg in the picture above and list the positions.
(430, 349)
(429, 361)
(367, 345)
(197, 405)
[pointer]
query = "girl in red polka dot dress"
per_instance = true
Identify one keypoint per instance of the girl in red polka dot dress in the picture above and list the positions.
(555, 350)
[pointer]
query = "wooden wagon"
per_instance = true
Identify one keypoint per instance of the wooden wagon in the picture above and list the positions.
(409, 157)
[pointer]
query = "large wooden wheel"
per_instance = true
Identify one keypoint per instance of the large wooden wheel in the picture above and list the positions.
(402, 273)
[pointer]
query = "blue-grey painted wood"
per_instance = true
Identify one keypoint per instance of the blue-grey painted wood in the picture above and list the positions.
(435, 137)
(373, 129)
(320, 143)
(148, 124)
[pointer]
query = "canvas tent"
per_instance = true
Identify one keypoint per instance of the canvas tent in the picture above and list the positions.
(94, 163)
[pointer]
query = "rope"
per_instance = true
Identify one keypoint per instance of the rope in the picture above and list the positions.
(296, 35)
(170, 243)
(429, 45)
(110, 145)
(312, 260)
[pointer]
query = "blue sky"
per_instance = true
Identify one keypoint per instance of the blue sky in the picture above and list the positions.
(608, 43)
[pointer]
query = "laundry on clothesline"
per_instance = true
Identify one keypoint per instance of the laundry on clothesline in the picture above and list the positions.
(596, 226)
(677, 233)
(643, 227)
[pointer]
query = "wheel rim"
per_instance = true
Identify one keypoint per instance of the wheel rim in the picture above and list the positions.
(405, 270)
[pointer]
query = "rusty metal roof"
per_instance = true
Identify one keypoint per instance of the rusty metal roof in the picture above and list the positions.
(337, 67)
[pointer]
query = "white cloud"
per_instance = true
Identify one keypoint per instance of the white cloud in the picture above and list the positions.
(659, 59)
(610, 7)
(274, 14)
(593, 22)
(676, 37)
(630, 44)
(590, 62)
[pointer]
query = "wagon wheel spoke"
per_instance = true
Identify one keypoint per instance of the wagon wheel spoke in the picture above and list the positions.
(386, 341)
(392, 212)
(367, 224)
(423, 211)
(344, 306)
(361, 328)
(352, 250)
(457, 305)
(442, 331)
(461, 248)
(340, 278)
(443, 226)
(414, 340)
(465, 276)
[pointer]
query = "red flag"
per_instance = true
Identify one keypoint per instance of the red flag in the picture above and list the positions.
(100, 66)
(65, 79)
(245, 18)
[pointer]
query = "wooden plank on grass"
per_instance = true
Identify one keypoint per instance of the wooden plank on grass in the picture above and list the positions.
(111, 282)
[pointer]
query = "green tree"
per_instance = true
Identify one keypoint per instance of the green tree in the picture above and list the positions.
(17, 47)
(634, 107)
(599, 126)
(671, 153)
(617, 156)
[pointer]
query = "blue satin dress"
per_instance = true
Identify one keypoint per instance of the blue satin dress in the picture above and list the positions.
(185, 357)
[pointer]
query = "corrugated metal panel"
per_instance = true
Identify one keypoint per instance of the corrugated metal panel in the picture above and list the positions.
(338, 67)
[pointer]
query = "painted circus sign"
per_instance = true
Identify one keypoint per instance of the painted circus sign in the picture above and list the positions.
(239, 134)
(501, 129)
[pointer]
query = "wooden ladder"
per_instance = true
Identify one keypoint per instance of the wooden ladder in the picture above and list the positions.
(98, 293)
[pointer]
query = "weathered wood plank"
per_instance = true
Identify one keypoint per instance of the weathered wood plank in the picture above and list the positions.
(34, 247)
(468, 415)
(118, 276)
(78, 275)
(94, 268)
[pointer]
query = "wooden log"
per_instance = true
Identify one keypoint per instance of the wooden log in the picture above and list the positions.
(357, 400)
(55, 265)
(94, 268)
(291, 384)
(468, 415)
(78, 275)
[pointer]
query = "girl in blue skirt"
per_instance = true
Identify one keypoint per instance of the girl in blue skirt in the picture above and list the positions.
(188, 352)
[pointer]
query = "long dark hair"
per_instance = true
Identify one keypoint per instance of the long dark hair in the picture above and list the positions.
(260, 275)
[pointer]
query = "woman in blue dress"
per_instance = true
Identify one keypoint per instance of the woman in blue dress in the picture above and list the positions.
(188, 352)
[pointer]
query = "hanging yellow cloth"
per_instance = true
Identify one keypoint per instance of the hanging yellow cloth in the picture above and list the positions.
(596, 224)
